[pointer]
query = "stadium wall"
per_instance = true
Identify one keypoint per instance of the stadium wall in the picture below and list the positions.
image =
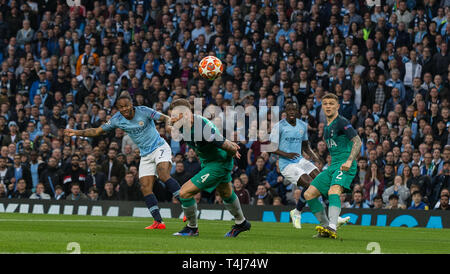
(364, 217)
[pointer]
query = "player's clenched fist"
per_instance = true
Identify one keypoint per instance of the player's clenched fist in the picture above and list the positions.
(69, 132)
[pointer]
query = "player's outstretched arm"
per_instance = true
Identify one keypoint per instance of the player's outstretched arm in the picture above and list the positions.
(356, 147)
(165, 119)
(90, 132)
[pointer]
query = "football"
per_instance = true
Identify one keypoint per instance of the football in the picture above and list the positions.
(210, 67)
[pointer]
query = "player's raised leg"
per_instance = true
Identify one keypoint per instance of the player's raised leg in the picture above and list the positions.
(307, 172)
(318, 186)
(163, 160)
(189, 206)
(151, 201)
(334, 209)
(232, 204)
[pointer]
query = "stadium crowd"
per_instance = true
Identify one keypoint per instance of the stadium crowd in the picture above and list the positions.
(63, 67)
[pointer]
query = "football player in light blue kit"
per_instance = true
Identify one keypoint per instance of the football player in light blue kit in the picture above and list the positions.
(156, 155)
(290, 138)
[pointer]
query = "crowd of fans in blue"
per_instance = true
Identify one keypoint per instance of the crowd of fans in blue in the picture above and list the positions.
(64, 66)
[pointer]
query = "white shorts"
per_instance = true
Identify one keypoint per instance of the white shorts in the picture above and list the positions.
(293, 172)
(147, 166)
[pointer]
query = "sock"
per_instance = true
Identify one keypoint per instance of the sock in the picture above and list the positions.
(334, 209)
(174, 187)
(318, 211)
(301, 201)
(152, 204)
(233, 205)
(189, 207)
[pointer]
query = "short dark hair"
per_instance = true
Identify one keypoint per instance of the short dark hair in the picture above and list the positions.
(416, 192)
(93, 188)
(358, 191)
(393, 196)
(124, 95)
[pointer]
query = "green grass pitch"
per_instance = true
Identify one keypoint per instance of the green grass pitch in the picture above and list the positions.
(32, 233)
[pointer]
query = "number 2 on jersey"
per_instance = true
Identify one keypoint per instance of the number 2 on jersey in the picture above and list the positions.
(339, 176)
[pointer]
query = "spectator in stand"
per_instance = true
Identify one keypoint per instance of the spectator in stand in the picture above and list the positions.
(75, 193)
(130, 189)
(191, 163)
(276, 201)
(344, 202)
(358, 201)
(389, 175)
(3, 191)
(180, 174)
(399, 189)
(440, 182)
(417, 201)
(93, 193)
(111, 167)
(22, 171)
(393, 202)
(257, 176)
(109, 193)
(94, 178)
(443, 203)
(423, 181)
(265, 193)
(377, 203)
(21, 191)
(373, 184)
(241, 192)
(40, 194)
(51, 176)
(59, 193)
(62, 69)
(73, 173)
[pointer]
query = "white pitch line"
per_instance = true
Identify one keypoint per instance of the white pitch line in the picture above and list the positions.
(212, 222)
(81, 221)
(184, 252)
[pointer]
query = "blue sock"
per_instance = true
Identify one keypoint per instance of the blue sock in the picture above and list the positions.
(152, 204)
(301, 201)
(174, 187)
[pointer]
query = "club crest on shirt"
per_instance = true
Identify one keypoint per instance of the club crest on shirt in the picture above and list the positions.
(141, 123)
(302, 131)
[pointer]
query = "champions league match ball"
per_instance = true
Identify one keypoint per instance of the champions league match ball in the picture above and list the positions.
(210, 67)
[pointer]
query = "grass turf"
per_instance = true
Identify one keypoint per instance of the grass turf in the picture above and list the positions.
(32, 233)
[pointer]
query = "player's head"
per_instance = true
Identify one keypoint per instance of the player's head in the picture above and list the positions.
(330, 104)
(291, 111)
(181, 106)
(125, 105)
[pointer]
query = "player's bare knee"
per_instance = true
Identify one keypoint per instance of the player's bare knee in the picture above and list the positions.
(304, 180)
(163, 172)
(335, 189)
(309, 195)
(146, 190)
(225, 193)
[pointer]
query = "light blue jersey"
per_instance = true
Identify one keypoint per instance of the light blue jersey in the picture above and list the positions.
(290, 139)
(141, 128)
